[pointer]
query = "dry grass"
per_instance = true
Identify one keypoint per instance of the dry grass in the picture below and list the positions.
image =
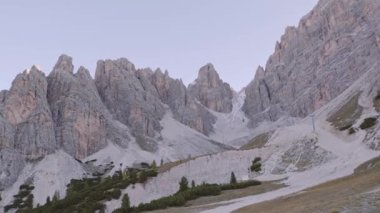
(257, 142)
(201, 204)
(167, 166)
(327, 197)
(346, 116)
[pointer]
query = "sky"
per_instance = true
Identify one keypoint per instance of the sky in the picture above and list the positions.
(180, 36)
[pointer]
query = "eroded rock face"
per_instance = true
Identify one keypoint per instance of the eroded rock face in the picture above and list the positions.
(332, 47)
(11, 164)
(129, 96)
(25, 108)
(137, 98)
(183, 105)
(211, 91)
(79, 114)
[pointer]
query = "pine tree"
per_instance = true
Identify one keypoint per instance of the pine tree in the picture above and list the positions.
(133, 177)
(183, 184)
(233, 178)
(154, 165)
(125, 202)
(143, 177)
(48, 200)
(192, 184)
(55, 197)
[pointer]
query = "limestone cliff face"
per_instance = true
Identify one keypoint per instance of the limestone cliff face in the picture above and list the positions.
(83, 124)
(26, 109)
(332, 47)
(183, 105)
(79, 115)
(129, 97)
(137, 98)
(26, 125)
(211, 91)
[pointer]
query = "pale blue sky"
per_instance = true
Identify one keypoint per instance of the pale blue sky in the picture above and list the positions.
(177, 35)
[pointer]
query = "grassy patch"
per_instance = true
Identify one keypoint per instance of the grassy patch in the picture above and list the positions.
(337, 195)
(371, 164)
(240, 185)
(257, 142)
(368, 123)
(347, 115)
(182, 197)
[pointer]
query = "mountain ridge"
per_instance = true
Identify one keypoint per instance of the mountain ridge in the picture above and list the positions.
(128, 115)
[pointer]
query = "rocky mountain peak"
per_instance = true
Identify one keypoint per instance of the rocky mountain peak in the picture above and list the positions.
(207, 75)
(64, 64)
(211, 91)
(83, 74)
(26, 108)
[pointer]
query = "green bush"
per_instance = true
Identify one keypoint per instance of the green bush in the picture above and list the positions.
(368, 123)
(143, 177)
(240, 185)
(256, 165)
(151, 172)
(113, 195)
(181, 197)
(351, 131)
(345, 127)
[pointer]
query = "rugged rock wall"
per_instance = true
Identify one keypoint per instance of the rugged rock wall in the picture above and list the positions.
(332, 47)
(137, 98)
(26, 109)
(80, 116)
(183, 105)
(129, 97)
(211, 91)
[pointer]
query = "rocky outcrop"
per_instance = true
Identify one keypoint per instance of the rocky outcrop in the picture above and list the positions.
(26, 125)
(82, 123)
(26, 109)
(211, 91)
(138, 98)
(332, 47)
(183, 105)
(130, 97)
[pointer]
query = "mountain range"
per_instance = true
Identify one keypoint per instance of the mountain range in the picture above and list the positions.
(326, 68)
